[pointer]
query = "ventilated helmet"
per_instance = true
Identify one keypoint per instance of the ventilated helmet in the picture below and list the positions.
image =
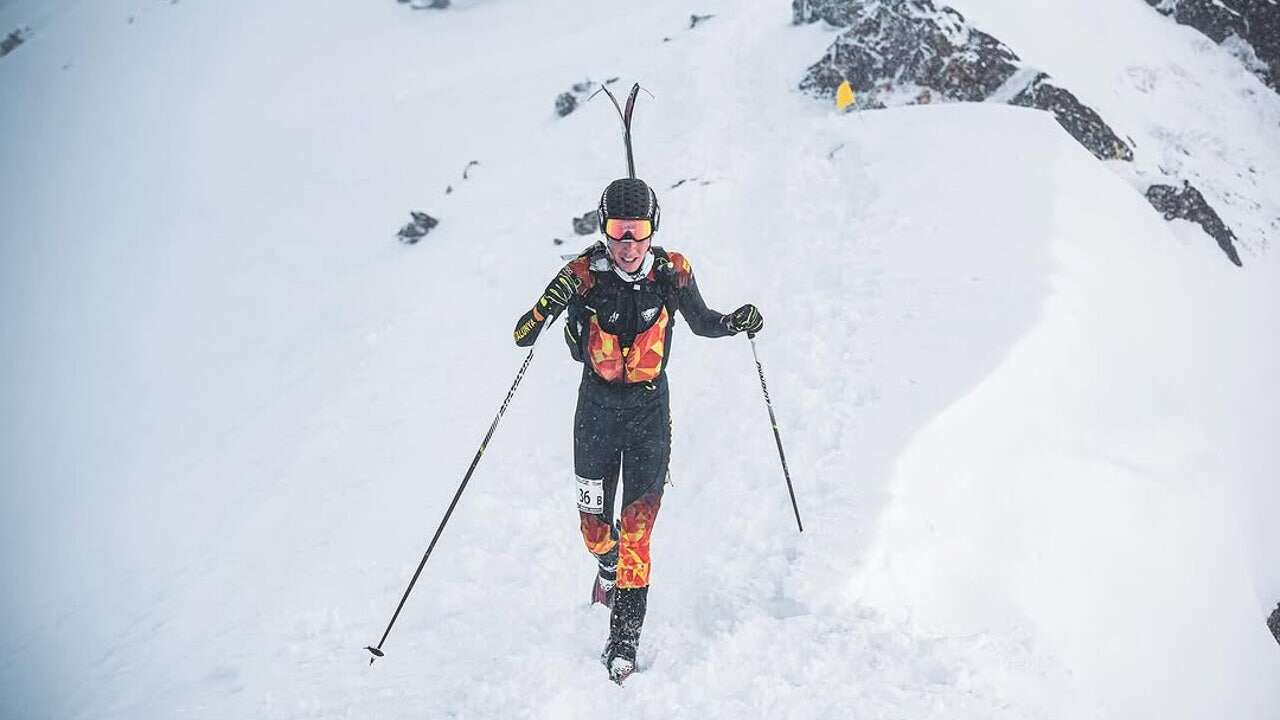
(629, 198)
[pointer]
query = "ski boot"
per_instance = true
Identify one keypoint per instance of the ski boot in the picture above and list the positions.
(619, 659)
(619, 656)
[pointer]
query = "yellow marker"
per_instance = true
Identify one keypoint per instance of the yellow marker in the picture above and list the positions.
(844, 95)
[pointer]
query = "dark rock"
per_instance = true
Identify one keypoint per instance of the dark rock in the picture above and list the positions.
(558, 241)
(695, 19)
(410, 233)
(588, 224)
(914, 52)
(466, 170)
(1075, 117)
(1273, 623)
(682, 181)
(1189, 204)
(414, 231)
(565, 104)
(907, 44)
(11, 43)
(1256, 22)
(896, 52)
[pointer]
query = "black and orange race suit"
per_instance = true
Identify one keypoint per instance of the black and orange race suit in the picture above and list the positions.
(620, 330)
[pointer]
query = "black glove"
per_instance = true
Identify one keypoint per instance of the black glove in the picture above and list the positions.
(558, 293)
(746, 318)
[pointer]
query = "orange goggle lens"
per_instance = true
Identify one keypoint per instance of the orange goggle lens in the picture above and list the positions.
(617, 229)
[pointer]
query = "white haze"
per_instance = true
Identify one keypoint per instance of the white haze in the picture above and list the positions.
(1031, 425)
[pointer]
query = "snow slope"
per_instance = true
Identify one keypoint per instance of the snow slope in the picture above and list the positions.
(234, 408)
(1191, 109)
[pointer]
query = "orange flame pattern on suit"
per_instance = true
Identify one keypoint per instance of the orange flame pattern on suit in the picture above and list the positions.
(684, 271)
(637, 526)
(595, 532)
(641, 362)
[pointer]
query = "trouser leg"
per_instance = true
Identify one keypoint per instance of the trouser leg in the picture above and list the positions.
(597, 456)
(631, 593)
(646, 454)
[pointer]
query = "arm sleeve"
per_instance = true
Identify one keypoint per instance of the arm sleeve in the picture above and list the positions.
(528, 327)
(702, 320)
(532, 322)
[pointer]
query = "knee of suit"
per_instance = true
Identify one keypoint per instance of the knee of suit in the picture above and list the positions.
(637, 528)
(596, 533)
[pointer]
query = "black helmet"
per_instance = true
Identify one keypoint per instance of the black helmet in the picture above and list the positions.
(629, 198)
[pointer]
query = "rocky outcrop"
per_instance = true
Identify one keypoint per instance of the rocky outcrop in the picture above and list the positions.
(909, 52)
(567, 102)
(1085, 125)
(1189, 204)
(906, 46)
(416, 230)
(12, 41)
(588, 224)
(897, 52)
(1250, 29)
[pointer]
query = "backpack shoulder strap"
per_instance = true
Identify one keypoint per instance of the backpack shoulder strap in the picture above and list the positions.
(671, 268)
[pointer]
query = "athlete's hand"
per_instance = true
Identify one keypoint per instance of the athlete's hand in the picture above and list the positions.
(746, 319)
(559, 293)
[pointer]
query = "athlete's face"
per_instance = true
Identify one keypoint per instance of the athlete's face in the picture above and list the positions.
(629, 254)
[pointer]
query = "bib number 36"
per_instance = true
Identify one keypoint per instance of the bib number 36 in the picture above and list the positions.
(591, 495)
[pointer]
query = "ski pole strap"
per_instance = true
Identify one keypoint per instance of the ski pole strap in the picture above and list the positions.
(773, 421)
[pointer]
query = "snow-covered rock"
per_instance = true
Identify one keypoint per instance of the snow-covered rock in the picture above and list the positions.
(897, 52)
(12, 41)
(1189, 204)
(587, 223)
(1249, 29)
(910, 51)
(904, 52)
(416, 230)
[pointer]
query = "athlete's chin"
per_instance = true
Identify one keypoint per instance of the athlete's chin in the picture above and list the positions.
(631, 266)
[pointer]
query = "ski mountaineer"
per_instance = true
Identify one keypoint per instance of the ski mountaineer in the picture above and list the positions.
(620, 297)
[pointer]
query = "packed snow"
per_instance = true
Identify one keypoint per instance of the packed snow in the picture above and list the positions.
(1030, 423)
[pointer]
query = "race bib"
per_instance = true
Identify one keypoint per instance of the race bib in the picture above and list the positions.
(591, 495)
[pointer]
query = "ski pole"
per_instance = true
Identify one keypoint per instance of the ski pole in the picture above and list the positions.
(377, 651)
(777, 437)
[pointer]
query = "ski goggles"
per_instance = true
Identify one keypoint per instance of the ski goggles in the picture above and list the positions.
(617, 229)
